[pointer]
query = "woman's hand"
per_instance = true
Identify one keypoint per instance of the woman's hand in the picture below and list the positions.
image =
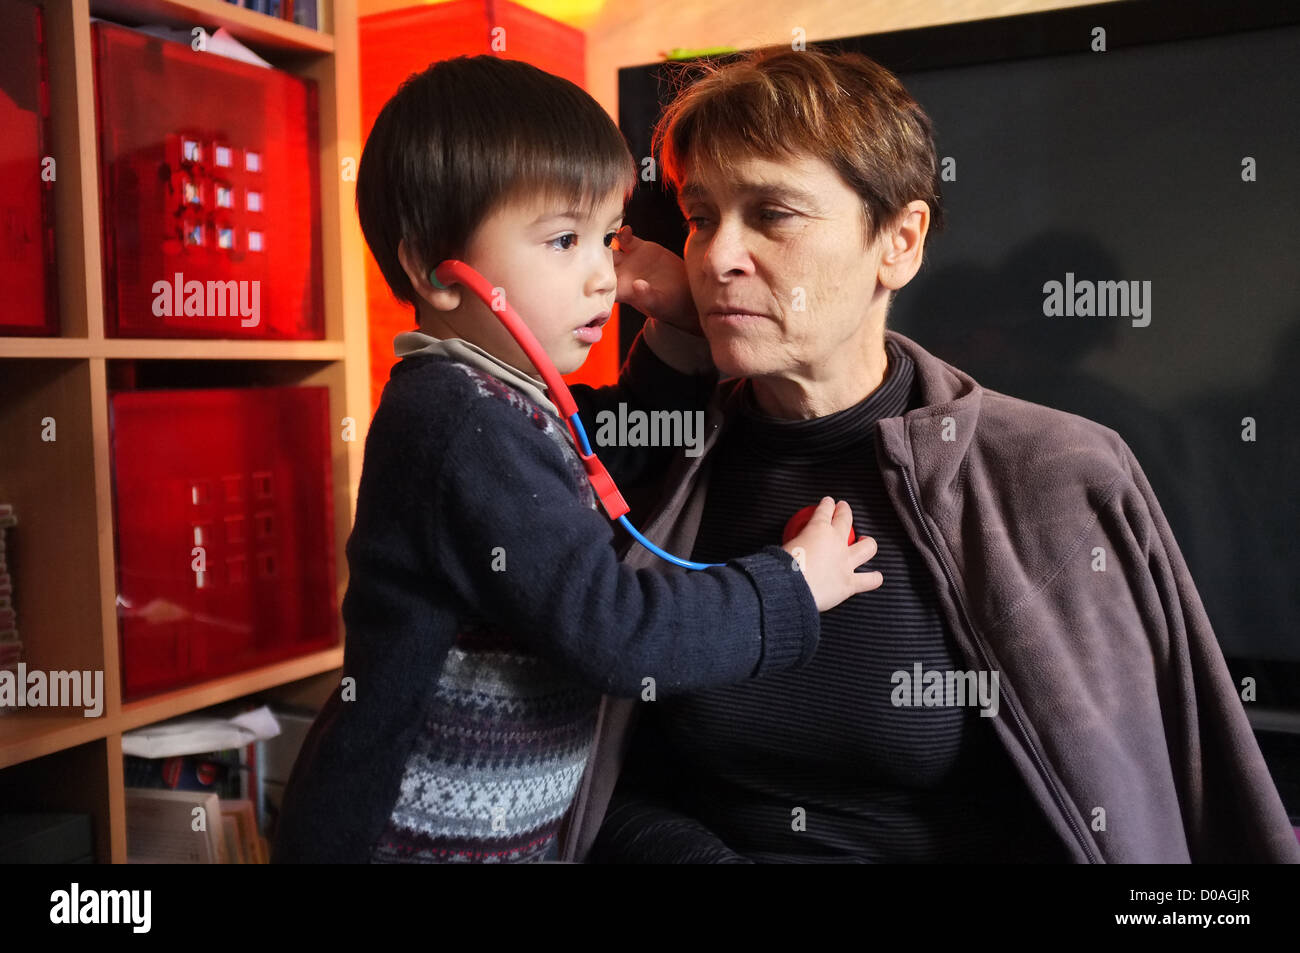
(653, 280)
(826, 558)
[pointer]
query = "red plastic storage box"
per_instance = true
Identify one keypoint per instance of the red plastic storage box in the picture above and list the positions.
(210, 189)
(27, 268)
(225, 542)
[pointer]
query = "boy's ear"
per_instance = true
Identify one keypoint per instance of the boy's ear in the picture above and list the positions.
(444, 299)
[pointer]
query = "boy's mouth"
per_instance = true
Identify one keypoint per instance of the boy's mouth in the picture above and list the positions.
(589, 333)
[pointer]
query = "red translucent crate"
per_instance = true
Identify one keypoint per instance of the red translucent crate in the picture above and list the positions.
(27, 268)
(225, 531)
(210, 189)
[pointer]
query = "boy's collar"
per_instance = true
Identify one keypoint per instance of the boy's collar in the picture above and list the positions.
(407, 343)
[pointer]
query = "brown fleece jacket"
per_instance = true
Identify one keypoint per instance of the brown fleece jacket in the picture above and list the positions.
(1116, 705)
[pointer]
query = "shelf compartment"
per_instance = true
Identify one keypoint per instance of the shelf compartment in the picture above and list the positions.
(53, 552)
(28, 284)
(224, 506)
(76, 780)
(210, 193)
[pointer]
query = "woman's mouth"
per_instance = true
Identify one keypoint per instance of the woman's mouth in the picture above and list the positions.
(734, 319)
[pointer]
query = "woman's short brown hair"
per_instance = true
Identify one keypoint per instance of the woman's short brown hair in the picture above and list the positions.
(778, 103)
(468, 133)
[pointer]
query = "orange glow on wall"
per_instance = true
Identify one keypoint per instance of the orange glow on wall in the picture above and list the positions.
(400, 42)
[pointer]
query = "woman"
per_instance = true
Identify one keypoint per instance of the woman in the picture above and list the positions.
(998, 697)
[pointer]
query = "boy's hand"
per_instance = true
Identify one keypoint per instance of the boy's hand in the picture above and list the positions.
(653, 280)
(827, 560)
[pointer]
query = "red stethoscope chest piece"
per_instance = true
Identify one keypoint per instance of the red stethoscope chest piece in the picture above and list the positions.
(800, 520)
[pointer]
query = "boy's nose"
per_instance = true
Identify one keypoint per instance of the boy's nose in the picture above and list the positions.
(604, 280)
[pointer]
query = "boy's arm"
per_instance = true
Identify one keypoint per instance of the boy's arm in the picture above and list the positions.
(667, 369)
(514, 541)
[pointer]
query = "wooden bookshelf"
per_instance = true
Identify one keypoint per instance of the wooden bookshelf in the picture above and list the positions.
(65, 587)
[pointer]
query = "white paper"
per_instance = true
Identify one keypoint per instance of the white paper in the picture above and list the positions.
(193, 735)
(223, 44)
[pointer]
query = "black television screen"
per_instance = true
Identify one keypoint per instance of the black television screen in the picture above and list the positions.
(1169, 165)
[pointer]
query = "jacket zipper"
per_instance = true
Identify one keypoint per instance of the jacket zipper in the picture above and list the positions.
(979, 647)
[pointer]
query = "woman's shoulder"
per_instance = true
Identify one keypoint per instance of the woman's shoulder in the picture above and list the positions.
(1041, 445)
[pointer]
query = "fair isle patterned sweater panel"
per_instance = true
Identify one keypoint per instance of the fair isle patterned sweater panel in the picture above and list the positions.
(506, 737)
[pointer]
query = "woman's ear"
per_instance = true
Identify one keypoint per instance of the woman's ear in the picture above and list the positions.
(443, 299)
(903, 246)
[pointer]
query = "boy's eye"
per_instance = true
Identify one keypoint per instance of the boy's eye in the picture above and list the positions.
(571, 237)
(609, 239)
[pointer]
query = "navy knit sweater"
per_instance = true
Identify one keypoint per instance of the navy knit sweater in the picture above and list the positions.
(485, 613)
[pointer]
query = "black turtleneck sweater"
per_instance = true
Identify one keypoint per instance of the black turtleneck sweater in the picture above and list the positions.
(724, 775)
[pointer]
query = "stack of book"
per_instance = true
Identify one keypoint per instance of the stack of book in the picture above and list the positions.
(11, 647)
(191, 827)
(200, 808)
(303, 12)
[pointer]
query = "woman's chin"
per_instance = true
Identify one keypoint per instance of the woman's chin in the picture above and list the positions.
(737, 361)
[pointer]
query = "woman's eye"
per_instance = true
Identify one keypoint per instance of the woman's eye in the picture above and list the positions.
(774, 215)
(569, 236)
(695, 221)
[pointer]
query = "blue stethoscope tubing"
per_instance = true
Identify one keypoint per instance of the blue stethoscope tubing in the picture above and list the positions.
(452, 271)
(581, 433)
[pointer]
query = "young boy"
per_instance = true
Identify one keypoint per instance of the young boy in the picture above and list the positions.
(486, 610)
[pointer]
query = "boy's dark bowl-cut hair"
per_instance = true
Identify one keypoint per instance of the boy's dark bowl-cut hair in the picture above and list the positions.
(468, 133)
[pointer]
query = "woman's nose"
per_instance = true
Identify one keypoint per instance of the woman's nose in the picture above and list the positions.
(726, 252)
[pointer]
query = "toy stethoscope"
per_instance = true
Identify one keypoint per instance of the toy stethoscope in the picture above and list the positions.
(452, 271)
